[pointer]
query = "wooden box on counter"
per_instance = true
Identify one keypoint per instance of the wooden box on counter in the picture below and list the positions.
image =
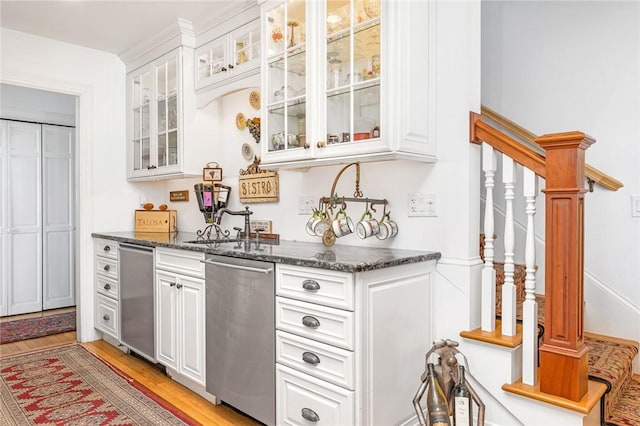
(156, 221)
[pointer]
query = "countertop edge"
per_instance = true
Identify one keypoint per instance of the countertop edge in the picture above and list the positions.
(325, 258)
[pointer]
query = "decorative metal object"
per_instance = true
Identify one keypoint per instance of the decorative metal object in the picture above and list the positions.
(328, 204)
(447, 374)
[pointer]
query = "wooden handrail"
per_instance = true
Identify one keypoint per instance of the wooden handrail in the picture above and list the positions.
(483, 132)
(592, 174)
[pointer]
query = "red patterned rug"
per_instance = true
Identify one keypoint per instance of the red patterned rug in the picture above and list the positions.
(29, 328)
(68, 385)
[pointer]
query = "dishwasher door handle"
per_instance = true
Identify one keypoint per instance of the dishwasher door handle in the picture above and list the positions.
(135, 247)
(240, 267)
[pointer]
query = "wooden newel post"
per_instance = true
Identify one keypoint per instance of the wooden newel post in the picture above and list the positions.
(563, 355)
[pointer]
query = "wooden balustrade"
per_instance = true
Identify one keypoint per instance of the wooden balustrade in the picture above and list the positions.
(563, 356)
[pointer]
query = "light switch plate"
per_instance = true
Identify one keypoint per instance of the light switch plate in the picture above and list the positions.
(306, 204)
(422, 204)
(635, 206)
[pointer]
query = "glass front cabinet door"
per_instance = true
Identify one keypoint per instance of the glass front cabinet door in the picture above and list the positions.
(284, 81)
(347, 79)
(154, 117)
(232, 55)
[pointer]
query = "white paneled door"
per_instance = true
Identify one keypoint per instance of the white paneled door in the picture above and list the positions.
(37, 222)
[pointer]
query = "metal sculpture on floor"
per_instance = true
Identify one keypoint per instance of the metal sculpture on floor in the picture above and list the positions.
(446, 372)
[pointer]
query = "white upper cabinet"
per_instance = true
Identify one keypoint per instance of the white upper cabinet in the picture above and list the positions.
(167, 136)
(347, 80)
(229, 57)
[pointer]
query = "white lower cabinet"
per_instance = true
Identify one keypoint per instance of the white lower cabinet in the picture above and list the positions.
(180, 308)
(350, 346)
(106, 285)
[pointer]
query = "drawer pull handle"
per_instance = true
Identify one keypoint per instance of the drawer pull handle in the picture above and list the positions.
(310, 285)
(106, 317)
(106, 268)
(310, 415)
(107, 286)
(310, 358)
(107, 249)
(311, 322)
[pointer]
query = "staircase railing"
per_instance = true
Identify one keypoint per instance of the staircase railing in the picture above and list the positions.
(563, 355)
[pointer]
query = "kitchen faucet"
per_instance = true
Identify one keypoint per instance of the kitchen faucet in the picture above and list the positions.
(246, 213)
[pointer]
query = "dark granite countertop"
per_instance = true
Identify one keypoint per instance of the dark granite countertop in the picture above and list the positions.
(316, 255)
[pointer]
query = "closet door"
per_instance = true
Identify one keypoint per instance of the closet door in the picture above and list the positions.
(24, 229)
(57, 216)
(4, 288)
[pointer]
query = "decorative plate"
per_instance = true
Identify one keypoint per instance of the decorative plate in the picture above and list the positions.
(254, 99)
(247, 151)
(241, 121)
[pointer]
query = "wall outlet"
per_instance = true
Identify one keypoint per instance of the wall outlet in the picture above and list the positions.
(306, 204)
(422, 204)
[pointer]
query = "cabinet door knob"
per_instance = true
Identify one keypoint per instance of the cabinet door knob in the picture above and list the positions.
(172, 284)
(107, 286)
(310, 415)
(107, 249)
(310, 285)
(230, 66)
(106, 268)
(106, 317)
(311, 322)
(321, 144)
(178, 286)
(310, 358)
(223, 69)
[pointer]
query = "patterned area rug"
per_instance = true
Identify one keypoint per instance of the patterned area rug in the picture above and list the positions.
(626, 410)
(29, 328)
(69, 385)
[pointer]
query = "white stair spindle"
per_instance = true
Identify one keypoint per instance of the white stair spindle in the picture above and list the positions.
(530, 307)
(508, 288)
(488, 312)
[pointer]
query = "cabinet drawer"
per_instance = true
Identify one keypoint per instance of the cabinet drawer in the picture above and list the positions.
(180, 261)
(106, 248)
(323, 361)
(304, 400)
(107, 315)
(321, 323)
(107, 286)
(330, 288)
(107, 267)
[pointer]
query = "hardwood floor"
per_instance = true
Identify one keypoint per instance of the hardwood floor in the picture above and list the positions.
(182, 398)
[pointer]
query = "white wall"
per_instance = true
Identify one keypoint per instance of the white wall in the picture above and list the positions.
(97, 78)
(561, 66)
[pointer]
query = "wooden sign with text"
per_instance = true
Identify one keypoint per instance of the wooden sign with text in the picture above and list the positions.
(261, 187)
(178, 195)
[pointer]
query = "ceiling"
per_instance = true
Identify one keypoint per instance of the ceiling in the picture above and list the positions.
(110, 25)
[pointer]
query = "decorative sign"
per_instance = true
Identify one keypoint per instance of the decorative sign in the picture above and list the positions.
(263, 225)
(258, 186)
(212, 174)
(179, 195)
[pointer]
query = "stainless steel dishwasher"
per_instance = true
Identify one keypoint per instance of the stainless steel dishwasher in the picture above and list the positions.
(137, 299)
(240, 330)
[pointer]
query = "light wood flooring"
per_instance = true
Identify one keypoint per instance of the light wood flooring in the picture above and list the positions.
(182, 398)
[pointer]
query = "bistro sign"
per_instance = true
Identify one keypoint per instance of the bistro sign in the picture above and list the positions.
(258, 186)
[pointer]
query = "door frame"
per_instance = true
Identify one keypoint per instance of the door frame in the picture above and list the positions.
(83, 165)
